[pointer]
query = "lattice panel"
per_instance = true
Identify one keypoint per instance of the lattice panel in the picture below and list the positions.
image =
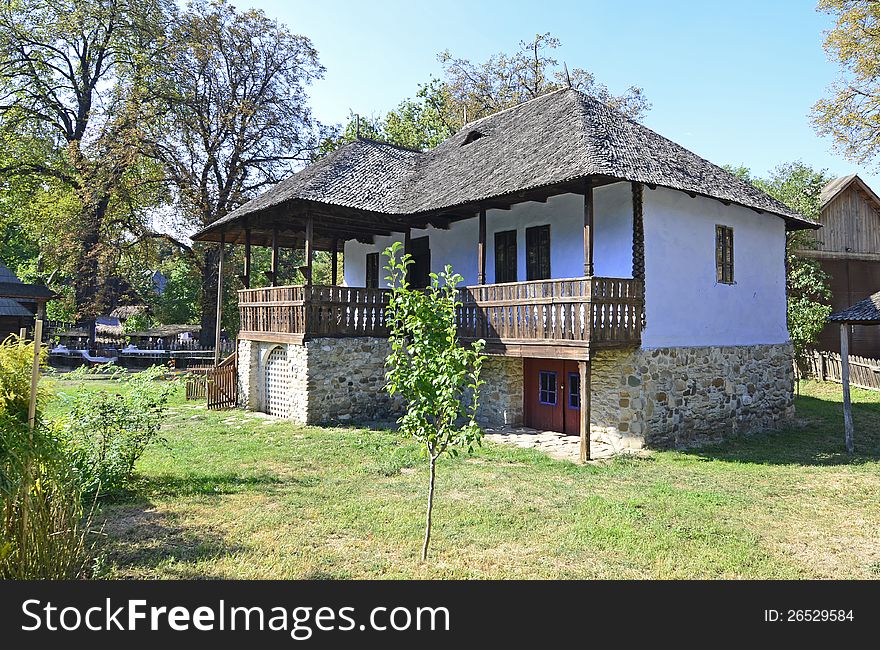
(278, 383)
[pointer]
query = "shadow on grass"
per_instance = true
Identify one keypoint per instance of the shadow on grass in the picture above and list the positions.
(138, 539)
(817, 439)
(174, 485)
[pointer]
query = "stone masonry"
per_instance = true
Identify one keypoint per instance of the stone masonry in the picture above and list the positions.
(669, 397)
(341, 380)
(501, 398)
(658, 398)
(332, 380)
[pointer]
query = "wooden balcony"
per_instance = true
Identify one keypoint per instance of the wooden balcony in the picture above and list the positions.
(562, 318)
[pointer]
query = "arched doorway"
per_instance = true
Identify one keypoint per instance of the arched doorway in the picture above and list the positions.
(277, 384)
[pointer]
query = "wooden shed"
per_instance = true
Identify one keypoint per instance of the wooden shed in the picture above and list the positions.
(848, 249)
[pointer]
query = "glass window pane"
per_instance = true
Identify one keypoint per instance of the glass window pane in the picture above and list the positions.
(574, 390)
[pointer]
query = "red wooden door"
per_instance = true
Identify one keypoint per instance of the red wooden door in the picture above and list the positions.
(544, 394)
(571, 404)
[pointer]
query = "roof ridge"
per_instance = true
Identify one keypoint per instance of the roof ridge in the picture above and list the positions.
(514, 107)
(386, 144)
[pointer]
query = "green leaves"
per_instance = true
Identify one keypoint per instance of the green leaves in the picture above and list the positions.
(851, 115)
(438, 378)
(107, 432)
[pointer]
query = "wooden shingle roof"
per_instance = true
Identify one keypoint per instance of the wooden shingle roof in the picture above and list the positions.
(836, 186)
(865, 312)
(554, 139)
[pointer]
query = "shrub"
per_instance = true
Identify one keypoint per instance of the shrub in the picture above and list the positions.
(108, 431)
(43, 533)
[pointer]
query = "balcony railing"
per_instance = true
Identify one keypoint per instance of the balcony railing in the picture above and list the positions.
(599, 311)
(313, 311)
(577, 311)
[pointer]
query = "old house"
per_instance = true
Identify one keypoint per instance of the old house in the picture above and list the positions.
(20, 303)
(628, 289)
(848, 250)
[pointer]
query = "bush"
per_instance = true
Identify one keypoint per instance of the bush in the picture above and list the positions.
(43, 533)
(107, 432)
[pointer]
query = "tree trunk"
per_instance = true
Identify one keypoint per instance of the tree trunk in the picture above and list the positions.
(430, 508)
(208, 297)
(90, 292)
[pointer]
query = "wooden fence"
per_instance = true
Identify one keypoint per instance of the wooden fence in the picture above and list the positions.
(863, 371)
(222, 385)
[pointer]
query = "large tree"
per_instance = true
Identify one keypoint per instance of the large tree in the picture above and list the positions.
(74, 100)
(238, 122)
(468, 91)
(851, 114)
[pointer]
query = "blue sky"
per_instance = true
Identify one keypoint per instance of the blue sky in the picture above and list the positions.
(733, 81)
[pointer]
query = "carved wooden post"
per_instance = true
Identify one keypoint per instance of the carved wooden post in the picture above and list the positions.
(247, 258)
(585, 372)
(407, 246)
(588, 228)
(217, 327)
(638, 248)
(309, 247)
(334, 262)
(274, 271)
(844, 377)
(481, 250)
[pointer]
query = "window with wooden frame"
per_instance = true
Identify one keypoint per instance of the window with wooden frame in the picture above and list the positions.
(505, 256)
(724, 254)
(372, 275)
(538, 253)
(547, 387)
(574, 390)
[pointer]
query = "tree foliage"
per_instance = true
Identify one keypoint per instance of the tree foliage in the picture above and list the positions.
(807, 286)
(238, 121)
(73, 102)
(471, 90)
(851, 114)
(437, 377)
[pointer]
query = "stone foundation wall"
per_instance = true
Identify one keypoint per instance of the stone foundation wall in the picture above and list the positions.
(683, 396)
(660, 397)
(341, 380)
(346, 381)
(501, 398)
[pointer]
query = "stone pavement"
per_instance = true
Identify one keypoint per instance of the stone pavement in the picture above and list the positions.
(556, 445)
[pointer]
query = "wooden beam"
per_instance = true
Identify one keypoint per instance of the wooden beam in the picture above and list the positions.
(274, 271)
(309, 247)
(35, 377)
(334, 262)
(638, 247)
(844, 377)
(588, 228)
(247, 259)
(586, 376)
(218, 327)
(481, 249)
(407, 248)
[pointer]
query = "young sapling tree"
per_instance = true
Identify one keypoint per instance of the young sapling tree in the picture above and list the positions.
(437, 377)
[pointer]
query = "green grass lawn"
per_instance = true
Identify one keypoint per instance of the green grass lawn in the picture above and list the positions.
(238, 495)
